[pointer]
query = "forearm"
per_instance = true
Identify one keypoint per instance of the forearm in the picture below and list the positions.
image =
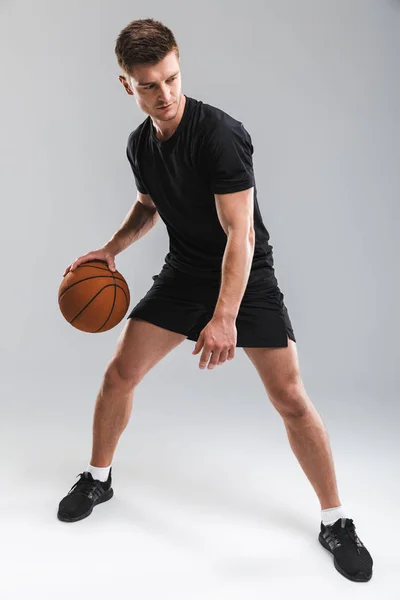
(137, 223)
(236, 267)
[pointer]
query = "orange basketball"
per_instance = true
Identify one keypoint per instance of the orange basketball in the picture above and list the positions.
(92, 298)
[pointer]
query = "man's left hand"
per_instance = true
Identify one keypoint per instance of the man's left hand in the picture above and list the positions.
(218, 340)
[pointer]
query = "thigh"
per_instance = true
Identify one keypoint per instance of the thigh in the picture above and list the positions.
(174, 302)
(263, 320)
(278, 368)
(140, 347)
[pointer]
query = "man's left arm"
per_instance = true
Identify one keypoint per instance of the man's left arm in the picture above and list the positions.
(226, 157)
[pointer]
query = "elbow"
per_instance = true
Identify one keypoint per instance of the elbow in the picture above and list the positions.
(251, 236)
(241, 235)
(242, 230)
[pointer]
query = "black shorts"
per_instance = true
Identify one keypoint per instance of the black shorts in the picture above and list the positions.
(185, 304)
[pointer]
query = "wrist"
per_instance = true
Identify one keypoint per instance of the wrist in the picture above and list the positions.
(224, 315)
(111, 247)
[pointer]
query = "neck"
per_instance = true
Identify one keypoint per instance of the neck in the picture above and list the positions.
(165, 129)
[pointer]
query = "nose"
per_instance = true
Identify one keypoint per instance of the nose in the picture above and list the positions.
(165, 97)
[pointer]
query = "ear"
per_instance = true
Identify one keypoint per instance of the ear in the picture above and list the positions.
(126, 85)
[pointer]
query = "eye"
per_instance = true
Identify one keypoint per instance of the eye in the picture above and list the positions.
(148, 87)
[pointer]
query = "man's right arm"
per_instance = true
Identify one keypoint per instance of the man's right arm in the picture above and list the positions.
(140, 219)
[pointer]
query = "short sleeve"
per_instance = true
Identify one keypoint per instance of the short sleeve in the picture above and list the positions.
(227, 154)
(138, 181)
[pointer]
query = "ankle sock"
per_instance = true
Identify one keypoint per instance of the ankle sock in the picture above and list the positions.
(100, 473)
(331, 515)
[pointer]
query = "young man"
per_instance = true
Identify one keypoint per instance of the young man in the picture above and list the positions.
(193, 168)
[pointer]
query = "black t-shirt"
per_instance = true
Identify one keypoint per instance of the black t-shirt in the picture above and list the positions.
(209, 153)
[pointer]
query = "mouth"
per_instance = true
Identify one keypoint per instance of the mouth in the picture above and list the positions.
(165, 107)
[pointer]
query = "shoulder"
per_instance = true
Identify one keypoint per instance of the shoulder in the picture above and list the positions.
(220, 133)
(219, 118)
(218, 125)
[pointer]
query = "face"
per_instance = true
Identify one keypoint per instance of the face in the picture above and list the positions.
(155, 87)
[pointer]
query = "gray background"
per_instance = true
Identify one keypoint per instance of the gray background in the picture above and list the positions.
(316, 84)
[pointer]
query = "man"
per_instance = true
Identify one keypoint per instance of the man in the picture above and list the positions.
(193, 169)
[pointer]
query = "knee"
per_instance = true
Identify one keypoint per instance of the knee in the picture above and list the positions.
(291, 401)
(119, 375)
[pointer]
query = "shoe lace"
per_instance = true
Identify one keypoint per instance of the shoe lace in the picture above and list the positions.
(348, 531)
(84, 485)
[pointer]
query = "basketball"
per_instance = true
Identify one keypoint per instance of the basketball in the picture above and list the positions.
(93, 298)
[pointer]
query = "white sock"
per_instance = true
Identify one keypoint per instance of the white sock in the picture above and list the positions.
(100, 473)
(331, 515)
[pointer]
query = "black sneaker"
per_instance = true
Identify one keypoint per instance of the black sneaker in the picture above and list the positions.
(83, 496)
(351, 558)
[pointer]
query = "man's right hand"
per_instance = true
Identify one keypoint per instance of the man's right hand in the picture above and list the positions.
(103, 254)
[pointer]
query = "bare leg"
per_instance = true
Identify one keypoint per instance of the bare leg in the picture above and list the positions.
(308, 438)
(140, 347)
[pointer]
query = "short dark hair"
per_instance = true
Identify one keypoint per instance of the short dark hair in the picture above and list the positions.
(144, 42)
